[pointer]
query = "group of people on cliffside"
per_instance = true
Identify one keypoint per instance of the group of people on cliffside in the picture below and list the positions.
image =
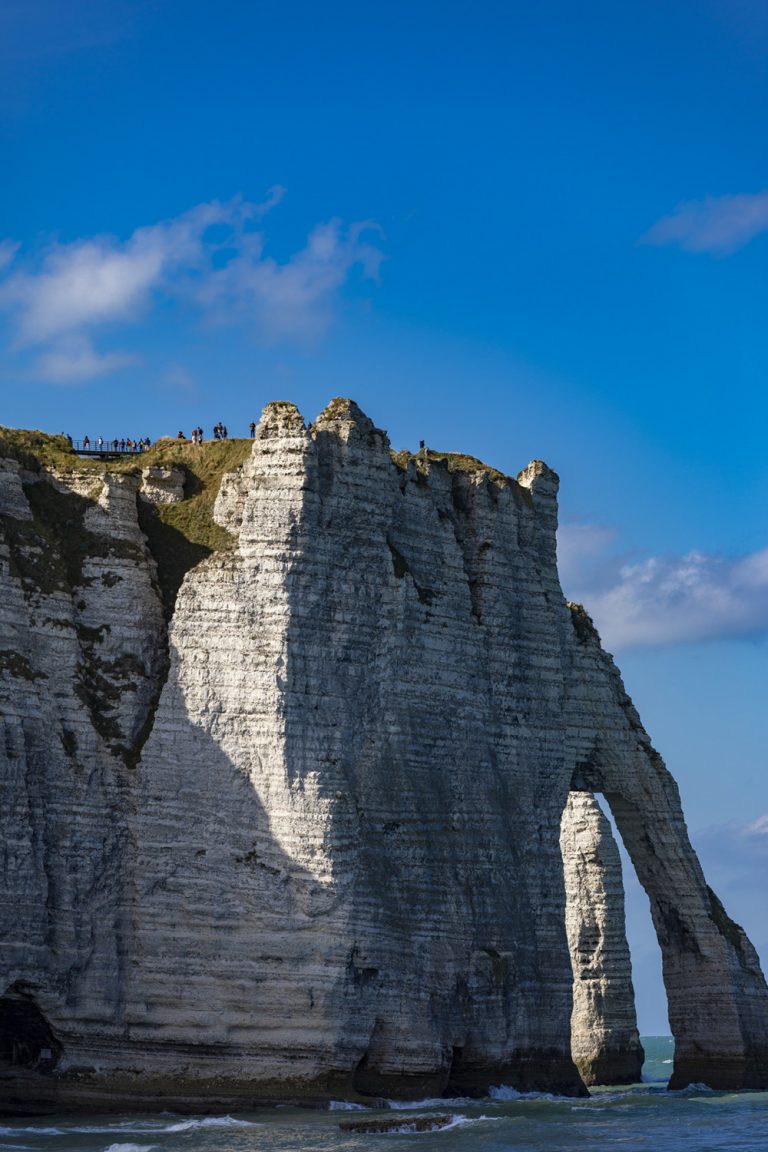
(124, 444)
(219, 433)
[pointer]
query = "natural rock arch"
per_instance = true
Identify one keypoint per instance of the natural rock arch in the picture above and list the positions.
(716, 992)
(323, 855)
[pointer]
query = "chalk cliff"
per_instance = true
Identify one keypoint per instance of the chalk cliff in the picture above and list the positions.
(290, 827)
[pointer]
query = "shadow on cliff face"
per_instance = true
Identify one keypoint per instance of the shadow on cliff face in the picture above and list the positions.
(238, 947)
(82, 673)
(173, 552)
(389, 701)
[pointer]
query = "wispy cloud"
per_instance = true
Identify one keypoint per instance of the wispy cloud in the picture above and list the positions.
(718, 224)
(295, 298)
(211, 259)
(739, 851)
(8, 250)
(662, 600)
(74, 360)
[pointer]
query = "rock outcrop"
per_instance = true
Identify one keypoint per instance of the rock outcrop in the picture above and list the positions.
(298, 834)
(162, 485)
(605, 1043)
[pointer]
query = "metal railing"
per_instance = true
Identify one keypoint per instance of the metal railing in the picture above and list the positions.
(88, 447)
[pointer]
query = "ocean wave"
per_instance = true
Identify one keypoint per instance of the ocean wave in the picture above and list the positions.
(429, 1102)
(346, 1106)
(419, 1125)
(131, 1128)
(504, 1092)
(207, 1122)
(32, 1131)
(463, 1121)
(693, 1090)
(129, 1148)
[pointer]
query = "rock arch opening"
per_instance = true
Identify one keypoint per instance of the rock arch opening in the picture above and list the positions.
(647, 969)
(26, 1038)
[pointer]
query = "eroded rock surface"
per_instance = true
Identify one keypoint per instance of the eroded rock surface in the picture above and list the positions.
(162, 485)
(306, 841)
(605, 1043)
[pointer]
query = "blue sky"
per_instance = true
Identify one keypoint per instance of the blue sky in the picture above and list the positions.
(515, 230)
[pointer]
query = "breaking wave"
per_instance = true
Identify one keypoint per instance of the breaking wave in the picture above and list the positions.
(131, 1128)
(430, 1102)
(208, 1122)
(129, 1148)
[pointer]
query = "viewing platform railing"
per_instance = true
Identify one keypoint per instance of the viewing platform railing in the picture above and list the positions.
(92, 448)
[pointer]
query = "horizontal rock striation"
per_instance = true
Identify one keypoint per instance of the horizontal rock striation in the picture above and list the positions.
(604, 1039)
(298, 833)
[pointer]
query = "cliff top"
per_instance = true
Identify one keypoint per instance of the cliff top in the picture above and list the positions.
(455, 462)
(180, 534)
(183, 532)
(207, 462)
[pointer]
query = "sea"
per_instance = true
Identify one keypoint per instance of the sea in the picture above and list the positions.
(640, 1118)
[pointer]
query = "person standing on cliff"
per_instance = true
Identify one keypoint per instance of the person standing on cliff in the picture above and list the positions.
(253, 429)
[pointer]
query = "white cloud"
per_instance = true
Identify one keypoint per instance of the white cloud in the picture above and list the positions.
(717, 224)
(738, 851)
(210, 259)
(759, 827)
(663, 600)
(294, 299)
(8, 250)
(74, 360)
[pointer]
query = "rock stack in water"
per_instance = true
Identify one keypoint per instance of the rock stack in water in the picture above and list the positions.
(325, 825)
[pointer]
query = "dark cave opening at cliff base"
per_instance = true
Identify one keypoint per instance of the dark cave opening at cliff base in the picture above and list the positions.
(619, 992)
(26, 1038)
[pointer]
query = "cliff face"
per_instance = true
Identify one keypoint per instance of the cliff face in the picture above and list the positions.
(305, 839)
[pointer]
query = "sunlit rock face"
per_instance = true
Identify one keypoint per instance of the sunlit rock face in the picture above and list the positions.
(305, 840)
(604, 1039)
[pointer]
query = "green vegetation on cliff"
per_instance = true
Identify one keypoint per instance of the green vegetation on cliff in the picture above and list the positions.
(180, 535)
(454, 461)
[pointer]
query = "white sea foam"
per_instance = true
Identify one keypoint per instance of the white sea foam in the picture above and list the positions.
(131, 1128)
(208, 1122)
(504, 1092)
(695, 1090)
(129, 1148)
(31, 1132)
(429, 1102)
(409, 1127)
(345, 1106)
